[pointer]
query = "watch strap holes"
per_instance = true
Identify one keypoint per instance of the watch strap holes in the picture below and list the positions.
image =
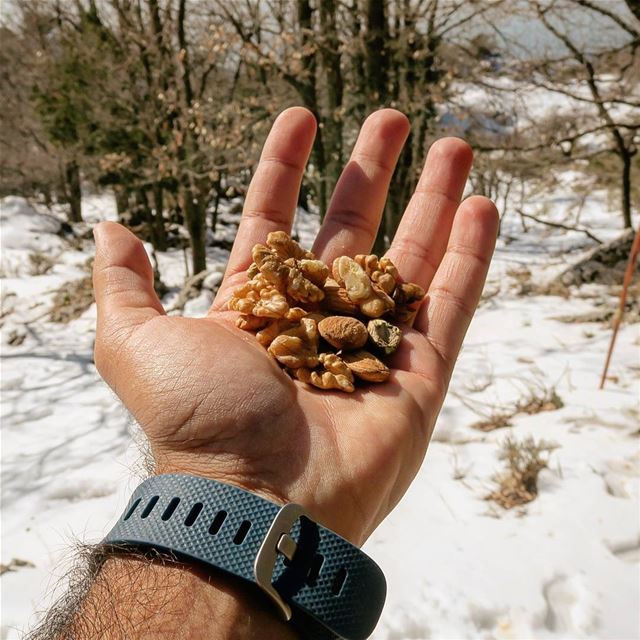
(132, 508)
(338, 581)
(171, 507)
(314, 569)
(242, 532)
(193, 514)
(217, 523)
(149, 508)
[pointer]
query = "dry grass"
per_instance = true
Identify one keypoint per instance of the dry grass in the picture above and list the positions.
(14, 565)
(606, 306)
(521, 278)
(539, 398)
(16, 338)
(72, 300)
(496, 420)
(518, 483)
(553, 289)
(40, 263)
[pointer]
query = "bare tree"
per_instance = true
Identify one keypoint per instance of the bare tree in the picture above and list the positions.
(590, 70)
(622, 130)
(29, 164)
(135, 93)
(345, 59)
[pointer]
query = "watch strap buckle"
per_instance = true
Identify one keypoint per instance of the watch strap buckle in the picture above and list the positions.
(277, 540)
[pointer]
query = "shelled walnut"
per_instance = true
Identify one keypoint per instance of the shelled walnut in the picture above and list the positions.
(288, 276)
(258, 297)
(332, 374)
(298, 346)
(337, 299)
(381, 271)
(371, 299)
(316, 321)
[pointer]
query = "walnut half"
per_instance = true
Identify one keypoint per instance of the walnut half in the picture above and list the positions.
(298, 346)
(258, 297)
(287, 277)
(371, 299)
(324, 379)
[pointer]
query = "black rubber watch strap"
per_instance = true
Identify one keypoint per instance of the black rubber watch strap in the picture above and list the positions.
(331, 588)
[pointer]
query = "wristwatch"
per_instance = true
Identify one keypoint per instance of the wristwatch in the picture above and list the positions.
(325, 586)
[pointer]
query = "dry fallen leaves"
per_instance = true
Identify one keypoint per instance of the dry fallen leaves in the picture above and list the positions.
(316, 321)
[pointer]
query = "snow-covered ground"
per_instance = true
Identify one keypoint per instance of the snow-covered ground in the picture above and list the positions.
(564, 566)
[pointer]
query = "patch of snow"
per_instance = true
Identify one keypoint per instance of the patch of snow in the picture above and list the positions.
(25, 231)
(98, 207)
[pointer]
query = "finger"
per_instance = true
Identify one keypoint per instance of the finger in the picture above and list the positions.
(422, 235)
(353, 216)
(122, 276)
(456, 287)
(122, 283)
(273, 193)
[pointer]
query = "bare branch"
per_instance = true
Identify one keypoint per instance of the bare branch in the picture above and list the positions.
(559, 225)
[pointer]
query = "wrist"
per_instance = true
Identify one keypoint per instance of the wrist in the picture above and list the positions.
(303, 567)
(193, 464)
(328, 509)
(142, 597)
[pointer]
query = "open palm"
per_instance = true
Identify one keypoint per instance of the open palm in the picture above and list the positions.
(213, 403)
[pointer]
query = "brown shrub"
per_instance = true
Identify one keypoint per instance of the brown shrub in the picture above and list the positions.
(518, 483)
(72, 300)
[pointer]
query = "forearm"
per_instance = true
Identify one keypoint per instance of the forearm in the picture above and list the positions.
(137, 598)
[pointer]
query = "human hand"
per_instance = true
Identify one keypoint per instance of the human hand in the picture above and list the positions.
(211, 400)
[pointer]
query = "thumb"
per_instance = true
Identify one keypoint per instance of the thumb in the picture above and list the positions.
(122, 280)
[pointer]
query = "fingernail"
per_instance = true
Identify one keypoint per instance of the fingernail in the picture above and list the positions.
(97, 236)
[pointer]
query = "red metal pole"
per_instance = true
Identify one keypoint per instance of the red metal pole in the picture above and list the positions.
(631, 264)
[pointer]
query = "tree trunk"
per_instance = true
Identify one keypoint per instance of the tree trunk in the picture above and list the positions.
(303, 197)
(626, 189)
(122, 205)
(399, 190)
(330, 54)
(359, 91)
(194, 207)
(320, 163)
(217, 189)
(308, 93)
(377, 53)
(214, 212)
(377, 58)
(409, 81)
(48, 198)
(148, 232)
(73, 191)
(160, 234)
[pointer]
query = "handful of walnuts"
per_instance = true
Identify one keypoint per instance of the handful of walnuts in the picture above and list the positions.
(327, 328)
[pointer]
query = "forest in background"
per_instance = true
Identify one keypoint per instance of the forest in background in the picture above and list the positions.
(167, 103)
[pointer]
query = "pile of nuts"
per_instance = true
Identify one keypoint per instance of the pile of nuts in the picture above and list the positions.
(316, 323)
